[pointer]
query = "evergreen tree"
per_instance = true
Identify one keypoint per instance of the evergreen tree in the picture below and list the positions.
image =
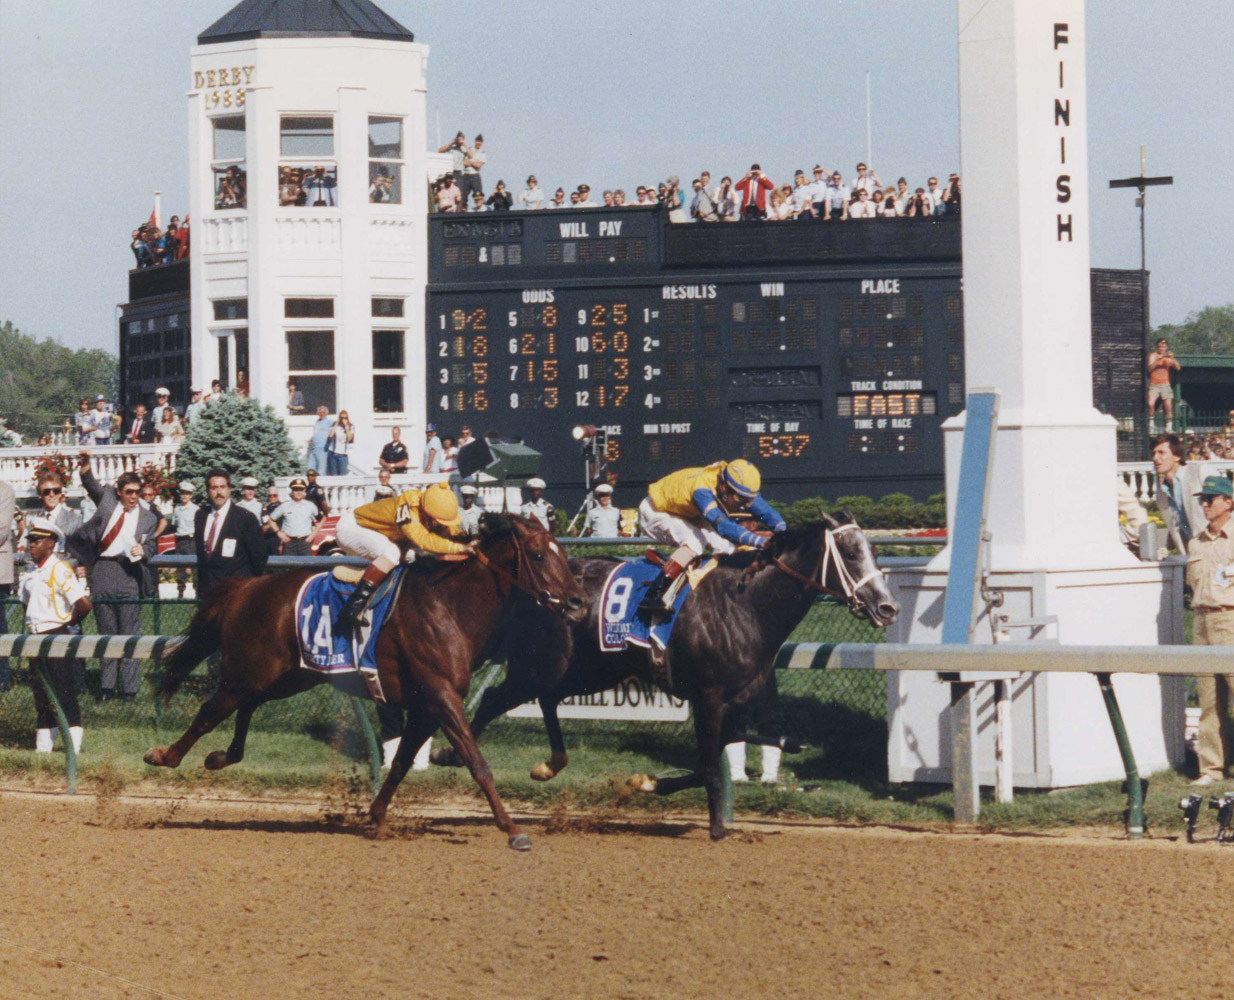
(240, 435)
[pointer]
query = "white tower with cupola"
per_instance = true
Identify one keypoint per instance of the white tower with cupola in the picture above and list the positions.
(307, 167)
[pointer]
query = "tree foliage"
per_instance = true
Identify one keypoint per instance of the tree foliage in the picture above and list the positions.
(41, 381)
(1208, 331)
(240, 435)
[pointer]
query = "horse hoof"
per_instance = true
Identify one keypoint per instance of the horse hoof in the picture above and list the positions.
(216, 761)
(719, 833)
(542, 772)
(521, 843)
(444, 757)
(154, 757)
(642, 783)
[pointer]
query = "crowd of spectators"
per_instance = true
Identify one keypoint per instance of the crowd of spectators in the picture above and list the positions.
(823, 196)
(152, 245)
(313, 186)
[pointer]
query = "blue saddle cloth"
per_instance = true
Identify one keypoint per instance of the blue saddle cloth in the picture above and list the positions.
(320, 600)
(619, 600)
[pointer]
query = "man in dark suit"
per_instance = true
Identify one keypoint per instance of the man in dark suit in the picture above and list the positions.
(227, 538)
(140, 429)
(111, 549)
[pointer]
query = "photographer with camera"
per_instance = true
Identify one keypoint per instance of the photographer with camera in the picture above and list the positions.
(456, 147)
(951, 196)
(919, 205)
(1160, 363)
(753, 188)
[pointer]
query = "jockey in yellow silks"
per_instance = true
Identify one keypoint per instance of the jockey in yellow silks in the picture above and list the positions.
(692, 509)
(422, 520)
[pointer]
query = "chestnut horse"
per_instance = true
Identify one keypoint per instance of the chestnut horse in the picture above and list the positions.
(721, 650)
(433, 638)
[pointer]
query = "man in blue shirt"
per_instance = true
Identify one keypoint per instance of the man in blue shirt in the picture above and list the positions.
(317, 443)
(432, 449)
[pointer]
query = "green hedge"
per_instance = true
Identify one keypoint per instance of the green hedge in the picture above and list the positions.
(896, 510)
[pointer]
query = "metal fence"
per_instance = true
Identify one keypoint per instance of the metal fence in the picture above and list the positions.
(843, 713)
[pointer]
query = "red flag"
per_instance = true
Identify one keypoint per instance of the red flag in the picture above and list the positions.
(153, 221)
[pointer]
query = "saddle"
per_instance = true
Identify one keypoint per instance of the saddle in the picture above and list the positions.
(620, 627)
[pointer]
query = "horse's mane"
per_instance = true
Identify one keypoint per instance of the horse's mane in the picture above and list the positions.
(783, 541)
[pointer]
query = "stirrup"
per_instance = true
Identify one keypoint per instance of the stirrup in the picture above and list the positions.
(373, 683)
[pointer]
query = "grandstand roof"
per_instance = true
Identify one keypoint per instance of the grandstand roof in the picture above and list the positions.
(304, 19)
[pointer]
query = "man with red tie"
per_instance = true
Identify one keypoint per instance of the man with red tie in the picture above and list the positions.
(111, 549)
(227, 538)
(140, 429)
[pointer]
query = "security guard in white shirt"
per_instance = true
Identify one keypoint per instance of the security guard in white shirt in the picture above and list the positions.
(538, 508)
(470, 512)
(56, 601)
(248, 497)
(603, 520)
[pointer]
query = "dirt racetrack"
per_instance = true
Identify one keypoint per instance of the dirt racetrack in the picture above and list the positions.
(211, 900)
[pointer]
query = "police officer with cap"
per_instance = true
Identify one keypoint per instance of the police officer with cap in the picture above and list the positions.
(537, 507)
(470, 512)
(603, 519)
(295, 519)
(248, 497)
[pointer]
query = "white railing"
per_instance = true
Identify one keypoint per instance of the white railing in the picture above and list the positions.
(108, 461)
(348, 492)
(1142, 477)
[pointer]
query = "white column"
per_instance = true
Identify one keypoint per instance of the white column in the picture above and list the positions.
(267, 349)
(1052, 512)
(1024, 155)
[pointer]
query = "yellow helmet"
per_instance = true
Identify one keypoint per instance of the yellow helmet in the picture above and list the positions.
(441, 505)
(742, 478)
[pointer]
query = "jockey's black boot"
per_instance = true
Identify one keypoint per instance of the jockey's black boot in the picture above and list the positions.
(652, 605)
(352, 615)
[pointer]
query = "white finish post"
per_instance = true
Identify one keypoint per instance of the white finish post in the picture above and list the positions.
(1052, 513)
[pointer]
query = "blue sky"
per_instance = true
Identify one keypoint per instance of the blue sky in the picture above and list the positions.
(93, 118)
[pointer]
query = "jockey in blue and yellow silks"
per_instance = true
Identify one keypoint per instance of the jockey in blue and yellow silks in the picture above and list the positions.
(692, 508)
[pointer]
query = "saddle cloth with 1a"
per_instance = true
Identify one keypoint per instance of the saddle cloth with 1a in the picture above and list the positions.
(619, 600)
(320, 600)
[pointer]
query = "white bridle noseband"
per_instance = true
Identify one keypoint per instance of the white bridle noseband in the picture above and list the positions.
(832, 556)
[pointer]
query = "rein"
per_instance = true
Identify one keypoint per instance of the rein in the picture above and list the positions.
(829, 559)
(512, 580)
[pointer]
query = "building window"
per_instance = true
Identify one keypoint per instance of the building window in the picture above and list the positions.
(310, 365)
(388, 307)
(385, 160)
(231, 309)
(308, 173)
(230, 184)
(388, 371)
(308, 308)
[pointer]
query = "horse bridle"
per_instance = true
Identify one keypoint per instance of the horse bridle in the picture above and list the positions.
(542, 597)
(831, 557)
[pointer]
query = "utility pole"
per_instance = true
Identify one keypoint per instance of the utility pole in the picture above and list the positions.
(1142, 183)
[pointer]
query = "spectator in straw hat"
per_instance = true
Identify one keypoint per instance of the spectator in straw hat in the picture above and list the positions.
(55, 602)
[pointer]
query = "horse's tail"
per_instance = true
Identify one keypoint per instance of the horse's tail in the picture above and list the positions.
(203, 637)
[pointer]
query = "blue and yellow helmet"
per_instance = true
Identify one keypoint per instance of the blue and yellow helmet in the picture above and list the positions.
(742, 478)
